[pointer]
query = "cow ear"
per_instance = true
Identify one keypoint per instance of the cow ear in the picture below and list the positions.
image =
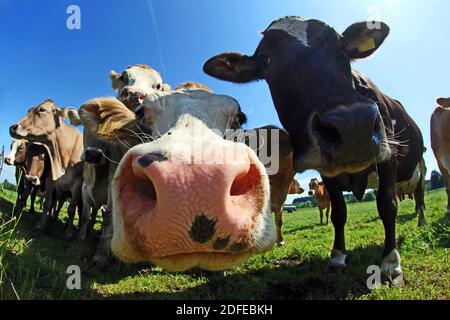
(233, 67)
(443, 102)
(364, 38)
(90, 116)
(115, 80)
(70, 114)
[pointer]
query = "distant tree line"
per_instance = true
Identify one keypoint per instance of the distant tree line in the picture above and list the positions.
(6, 185)
(436, 182)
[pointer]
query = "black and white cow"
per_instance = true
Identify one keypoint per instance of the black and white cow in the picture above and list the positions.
(339, 122)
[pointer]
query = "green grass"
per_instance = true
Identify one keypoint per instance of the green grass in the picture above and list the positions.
(34, 266)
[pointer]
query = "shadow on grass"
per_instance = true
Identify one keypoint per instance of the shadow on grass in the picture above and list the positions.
(310, 279)
(39, 271)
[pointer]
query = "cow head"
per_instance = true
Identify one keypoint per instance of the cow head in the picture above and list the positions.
(161, 111)
(110, 130)
(135, 83)
(37, 158)
(42, 121)
(192, 86)
(18, 153)
(334, 127)
(313, 186)
(191, 199)
(296, 188)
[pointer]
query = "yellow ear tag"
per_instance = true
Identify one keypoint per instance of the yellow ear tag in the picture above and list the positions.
(100, 130)
(367, 46)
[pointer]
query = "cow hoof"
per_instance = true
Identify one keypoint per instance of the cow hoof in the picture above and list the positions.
(338, 261)
(423, 222)
(99, 262)
(392, 280)
(281, 244)
(391, 270)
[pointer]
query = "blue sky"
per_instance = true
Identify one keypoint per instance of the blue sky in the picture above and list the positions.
(41, 58)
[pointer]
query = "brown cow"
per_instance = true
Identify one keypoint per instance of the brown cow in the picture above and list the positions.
(35, 171)
(44, 124)
(317, 189)
(440, 141)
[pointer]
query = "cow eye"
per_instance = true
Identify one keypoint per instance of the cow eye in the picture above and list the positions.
(158, 86)
(40, 110)
(124, 78)
(264, 60)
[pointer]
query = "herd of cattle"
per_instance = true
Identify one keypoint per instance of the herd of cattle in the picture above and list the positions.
(175, 192)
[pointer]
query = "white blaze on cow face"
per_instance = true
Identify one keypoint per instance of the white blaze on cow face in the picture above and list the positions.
(17, 154)
(294, 26)
(211, 215)
(162, 110)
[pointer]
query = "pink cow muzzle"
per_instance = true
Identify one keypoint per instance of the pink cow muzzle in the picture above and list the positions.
(181, 215)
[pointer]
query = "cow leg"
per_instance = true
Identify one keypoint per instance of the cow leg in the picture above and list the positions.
(48, 205)
(387, 209)
(57, 207)
(328, 214)
(33, 200)
(419, 196)
(101, 257)
(85, 216)
(93, 221)
(21, 190)
(447, 189)
(321, 215)
(71, 213)
(279, 225)
(338, 218)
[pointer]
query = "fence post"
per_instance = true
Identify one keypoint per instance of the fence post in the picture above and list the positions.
(2, 157)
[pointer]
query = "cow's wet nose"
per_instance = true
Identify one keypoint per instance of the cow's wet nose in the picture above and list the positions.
(93, 155)
(349, 135)
(8, 161)
(13, 129)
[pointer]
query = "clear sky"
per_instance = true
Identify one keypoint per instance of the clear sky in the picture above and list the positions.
(40, 58)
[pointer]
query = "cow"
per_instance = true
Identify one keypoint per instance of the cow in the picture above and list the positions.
(160, 111)
(440, 141)
(45, 124)
(339, 122)
(68, 188)
(35, 170)
(110, 130)
(317, 189)
(192, 86)
(414, 189)
(17, 157)
(133, 84)
(197, 199)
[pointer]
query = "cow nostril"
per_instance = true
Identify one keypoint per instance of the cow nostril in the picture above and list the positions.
(327, 132)
(14, 128)
(146, 189)
(149, 158)
(140, 113)
(245, 183)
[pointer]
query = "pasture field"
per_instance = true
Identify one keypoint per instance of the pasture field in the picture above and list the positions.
(34, 266)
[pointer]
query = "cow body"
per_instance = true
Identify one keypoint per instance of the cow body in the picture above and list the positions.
(440, 141)
(339, 122)
(44, 124)
(318, 190)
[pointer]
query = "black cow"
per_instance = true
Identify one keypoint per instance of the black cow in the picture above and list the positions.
(340, 123)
